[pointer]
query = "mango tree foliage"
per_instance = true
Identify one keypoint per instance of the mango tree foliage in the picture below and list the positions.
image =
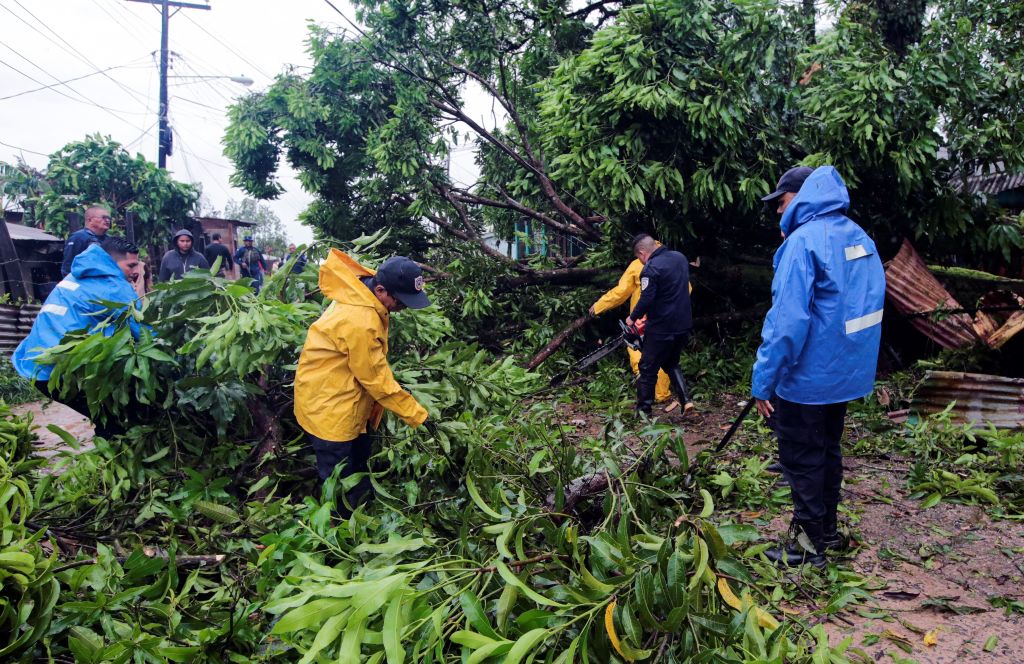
(907, 130)
(373, 125)
(98, 170)
(676, 113)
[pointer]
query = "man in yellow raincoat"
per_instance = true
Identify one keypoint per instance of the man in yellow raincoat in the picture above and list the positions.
(628, 288)
(343, 382)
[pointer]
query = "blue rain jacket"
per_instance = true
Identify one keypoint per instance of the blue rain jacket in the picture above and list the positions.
(820, 338)
(73, 306)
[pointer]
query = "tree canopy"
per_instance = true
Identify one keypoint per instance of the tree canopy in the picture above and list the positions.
(674, 115)
(98, 170)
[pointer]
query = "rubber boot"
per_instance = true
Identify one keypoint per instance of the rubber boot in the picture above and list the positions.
(644, 397)
(677, 382)
(774, 467)
(833, 539)
(794, 554)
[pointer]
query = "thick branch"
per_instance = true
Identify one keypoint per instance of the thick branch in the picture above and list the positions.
(559, 339)
(511, 204)
(545, 183)
(573, 275)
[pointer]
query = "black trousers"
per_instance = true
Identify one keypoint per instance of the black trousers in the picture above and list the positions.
(663, 354)
(812, 461)
(354, 454)
(80, 404)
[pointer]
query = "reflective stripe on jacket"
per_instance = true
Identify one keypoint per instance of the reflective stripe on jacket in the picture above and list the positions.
(820, 339)
(343, 371)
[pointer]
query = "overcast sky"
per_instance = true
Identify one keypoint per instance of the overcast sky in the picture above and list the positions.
(57, 40)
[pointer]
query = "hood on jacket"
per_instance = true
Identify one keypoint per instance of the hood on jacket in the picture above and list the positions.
(822, 193)
(340, 280)
(93, 263)
(184, 232)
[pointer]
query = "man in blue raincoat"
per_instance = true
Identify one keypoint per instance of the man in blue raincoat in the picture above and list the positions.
(819, 348)
(103, 272)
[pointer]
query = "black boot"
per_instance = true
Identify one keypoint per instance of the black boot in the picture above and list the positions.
(774, 467)
(677, 382)
(833, 539)
(796, 553)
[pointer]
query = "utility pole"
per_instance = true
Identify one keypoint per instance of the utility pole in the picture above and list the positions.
(166, 142)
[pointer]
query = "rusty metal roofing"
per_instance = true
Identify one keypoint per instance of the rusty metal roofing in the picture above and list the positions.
(20, 232)
(914, 290)
(980, 399)
(991, 180)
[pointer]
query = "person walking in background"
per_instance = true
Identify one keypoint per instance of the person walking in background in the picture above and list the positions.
(97, 223)
(251, 263)
(182, 258)
(819, 350)
(216, 250)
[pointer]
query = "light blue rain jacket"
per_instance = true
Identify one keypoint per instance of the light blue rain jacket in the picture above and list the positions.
(72, 306)
(820, 338)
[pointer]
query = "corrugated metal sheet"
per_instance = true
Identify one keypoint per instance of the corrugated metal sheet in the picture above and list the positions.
(980, 398)
(19, 232)
(990, 183)
(914, 290)
(15, 324)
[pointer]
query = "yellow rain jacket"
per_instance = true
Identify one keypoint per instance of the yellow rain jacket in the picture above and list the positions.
(628, 288)
(343, 382)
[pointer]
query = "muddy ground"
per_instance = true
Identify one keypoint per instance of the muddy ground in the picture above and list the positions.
(932, 570)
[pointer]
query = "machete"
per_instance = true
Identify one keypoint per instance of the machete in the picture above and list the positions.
(735, 425)
(630, 337)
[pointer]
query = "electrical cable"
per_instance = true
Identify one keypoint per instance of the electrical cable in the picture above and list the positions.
(127, 29)
(121, 85)
(16, 147)
(80, 101)
(64, 82)
(221, 41)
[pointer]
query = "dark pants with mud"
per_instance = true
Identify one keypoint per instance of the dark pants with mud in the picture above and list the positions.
(353, 456)
(812, 462)
(661, 354)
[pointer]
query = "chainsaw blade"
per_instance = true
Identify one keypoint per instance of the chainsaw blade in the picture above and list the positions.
(590, 360)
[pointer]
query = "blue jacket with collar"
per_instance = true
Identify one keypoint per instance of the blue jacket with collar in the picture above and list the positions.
(665, 295)
(820, 339)
(77, 242)
(73, 306)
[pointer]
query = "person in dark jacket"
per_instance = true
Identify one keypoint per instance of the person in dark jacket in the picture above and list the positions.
(300, 262)
(251, 263)
(819, 350)
(97, 223)
(216, 250)
(665, 300)
(176, 262)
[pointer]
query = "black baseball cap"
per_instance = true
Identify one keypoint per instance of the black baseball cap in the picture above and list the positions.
(403, 279)
(790, 182)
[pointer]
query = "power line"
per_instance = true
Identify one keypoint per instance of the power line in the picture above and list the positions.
(80, 101)
(129, 30)
(92, 64)
(64, 82)
(221, 41)
(15, 147)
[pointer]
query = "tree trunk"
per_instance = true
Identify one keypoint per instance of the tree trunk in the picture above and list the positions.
(559, 339)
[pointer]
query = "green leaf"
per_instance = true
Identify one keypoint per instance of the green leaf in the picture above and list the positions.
(514, 580)
(484, 507)
(307, 615)
(524, 645)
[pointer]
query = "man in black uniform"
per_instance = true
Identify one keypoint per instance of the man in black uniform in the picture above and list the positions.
(665, 300)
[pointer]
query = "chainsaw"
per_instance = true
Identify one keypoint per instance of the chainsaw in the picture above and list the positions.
(633, 337)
